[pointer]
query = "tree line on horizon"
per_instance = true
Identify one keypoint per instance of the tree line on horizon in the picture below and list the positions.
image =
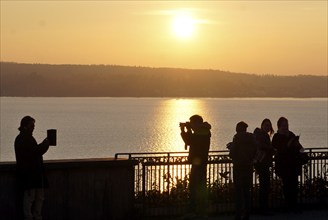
(47, 80)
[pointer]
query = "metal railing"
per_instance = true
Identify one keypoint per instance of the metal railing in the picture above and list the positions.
(161, 182)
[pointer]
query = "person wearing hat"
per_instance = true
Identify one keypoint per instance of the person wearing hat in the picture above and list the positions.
(242, 153)
(30, 169)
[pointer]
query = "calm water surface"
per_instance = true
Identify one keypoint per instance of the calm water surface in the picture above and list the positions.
(101, 127)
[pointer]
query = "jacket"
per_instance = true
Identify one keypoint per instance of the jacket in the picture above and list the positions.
(29, 161)
(286, 159)
(199, 143)
(243, 150)
(265, 150)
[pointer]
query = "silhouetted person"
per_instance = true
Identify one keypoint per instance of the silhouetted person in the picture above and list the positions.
(196, 134)
(286, 163)
(30, 169)
(263, 162)
(242, 153)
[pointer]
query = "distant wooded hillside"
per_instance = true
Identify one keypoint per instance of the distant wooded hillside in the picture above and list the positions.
(122, 81)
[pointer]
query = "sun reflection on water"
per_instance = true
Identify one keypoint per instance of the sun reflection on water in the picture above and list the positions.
(170, 114)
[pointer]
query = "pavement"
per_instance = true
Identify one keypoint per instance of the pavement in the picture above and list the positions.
(305, 215)
(321, 214)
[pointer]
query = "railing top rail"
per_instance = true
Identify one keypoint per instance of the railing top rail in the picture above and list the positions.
(166, 153)
(181, 153)
(148, 154)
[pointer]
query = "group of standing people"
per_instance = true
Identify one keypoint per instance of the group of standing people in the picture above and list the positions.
(247, 151)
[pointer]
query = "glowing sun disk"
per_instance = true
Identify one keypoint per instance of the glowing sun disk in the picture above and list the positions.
(183, 26)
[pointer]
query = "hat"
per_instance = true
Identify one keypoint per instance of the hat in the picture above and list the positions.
(241, 126)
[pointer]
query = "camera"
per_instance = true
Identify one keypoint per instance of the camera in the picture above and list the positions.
(184, 124)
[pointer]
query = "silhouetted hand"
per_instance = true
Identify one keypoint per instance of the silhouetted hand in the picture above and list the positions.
(45, 142)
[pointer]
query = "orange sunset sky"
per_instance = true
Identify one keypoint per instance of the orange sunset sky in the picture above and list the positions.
(262, 37)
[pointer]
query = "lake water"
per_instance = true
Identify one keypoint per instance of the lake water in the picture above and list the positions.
(101, 127)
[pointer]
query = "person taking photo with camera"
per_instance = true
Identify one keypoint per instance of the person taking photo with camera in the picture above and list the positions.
(196, 134)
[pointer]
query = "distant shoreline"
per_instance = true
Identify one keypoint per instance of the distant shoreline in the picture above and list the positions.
(45, 80)
(196, 69)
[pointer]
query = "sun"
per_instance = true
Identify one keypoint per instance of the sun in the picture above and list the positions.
(183, 26)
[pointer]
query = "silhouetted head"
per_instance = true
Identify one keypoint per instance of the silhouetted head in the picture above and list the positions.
(196, 119)
(282, 121)
(241, 127)
(198, 125)
(282, 124)
(27, 124)
(266, 126)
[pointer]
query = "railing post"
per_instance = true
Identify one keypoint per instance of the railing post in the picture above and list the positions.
(168, 173)
(301, 186)
(310, 156)
(310, 168)
(143, 184)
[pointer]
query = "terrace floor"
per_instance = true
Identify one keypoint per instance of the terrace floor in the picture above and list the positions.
(321, 214)
(305, 215)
